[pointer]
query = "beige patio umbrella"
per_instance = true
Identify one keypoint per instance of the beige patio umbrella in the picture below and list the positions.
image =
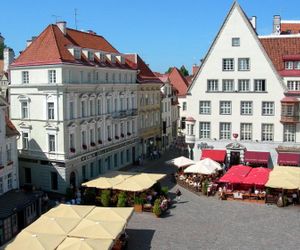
(284, 177)
(56, 226)
(113, 214)
(98, 229)
(139, 182)
(206, 166)
(69, 211)
(181, 162)
(108, 180)
(29, 241)
(71, 243)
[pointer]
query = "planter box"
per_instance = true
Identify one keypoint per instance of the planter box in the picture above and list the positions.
(138, 208)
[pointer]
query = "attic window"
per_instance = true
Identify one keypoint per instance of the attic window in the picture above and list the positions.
(289, 65)
(77, 53)
(91, 56)
(235, 42)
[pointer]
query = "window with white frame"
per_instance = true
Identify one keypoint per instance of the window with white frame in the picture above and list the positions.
(92, 136)
(72, 140)
(227, 85)
(25, 77)
(225, 107)
(260, 85)
(83, 138)
(293, 85)
(106, 77)
(51, 143)
(204, 107)
(115, 104)
(235, 42)
(83, 108)
(225, 130)
(90, 56)
(132, 103)
(24, 109)
(113, 77)
(8, 152)
(116, 130)
(228, 64)
(212, 85)
(243, 64)
(92, 107)
(50, 110)
(246, 108)
(25, 140)
(289, 132)
(52, 76)
(77, 53)
(9, 181)
(133, 127)
(297, 65)
(184, 106)
(268, 108)
(99, 106)
(267, 132)
(108, 105)
(244, 85)
(99, 135)
(89, 77)
(289, 65)
(71, 110)
(204, 130)
(246, 131)
(108, 128)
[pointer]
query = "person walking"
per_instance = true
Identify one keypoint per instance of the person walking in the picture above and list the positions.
(178, 194)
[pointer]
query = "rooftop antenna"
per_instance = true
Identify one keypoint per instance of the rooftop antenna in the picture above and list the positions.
(56, 17)
(75, 17)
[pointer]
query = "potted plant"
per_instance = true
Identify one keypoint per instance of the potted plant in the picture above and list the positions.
(138, 204)
(156, 208)
(105, 198)
(72, 150)
(93, 144)
(165, 191)
(84, 146)
(100, 141)
(122, 199)
(109, 139)
(117, 137)
(204, 187)
(128, 133)
(122, 135)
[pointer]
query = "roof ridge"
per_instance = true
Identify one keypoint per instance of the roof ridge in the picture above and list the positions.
(55, 38)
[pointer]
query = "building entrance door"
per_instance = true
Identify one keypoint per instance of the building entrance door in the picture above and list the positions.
(234, 158)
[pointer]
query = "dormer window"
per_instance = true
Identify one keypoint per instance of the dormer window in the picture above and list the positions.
(91, 56)
(297, 65)
(289, 65)
(77, 54)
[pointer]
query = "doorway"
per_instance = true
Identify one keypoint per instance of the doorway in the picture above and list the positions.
(73, 179)
(234, 158)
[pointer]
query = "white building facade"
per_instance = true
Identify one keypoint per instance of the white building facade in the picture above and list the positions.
(9, 178)
(238, 91)
(78, 116)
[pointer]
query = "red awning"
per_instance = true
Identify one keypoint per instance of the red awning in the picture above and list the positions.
(288, 159)
(257, 176)
(214, 154)
(236, 174)
(256, 157)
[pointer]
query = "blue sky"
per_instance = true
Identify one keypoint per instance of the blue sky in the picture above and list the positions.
(164, 32)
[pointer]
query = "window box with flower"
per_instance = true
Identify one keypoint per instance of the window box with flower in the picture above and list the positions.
(99, 141)
(117, 137)
(84, 146)
(109, 139)
(93, 144)
(72, 150)
(128, 133)
(122, 135)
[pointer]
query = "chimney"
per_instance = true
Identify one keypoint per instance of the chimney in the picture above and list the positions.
(8, 57)
(62, 25)
(28, 42)
(253, 22)
(195, 69)
(276, 25)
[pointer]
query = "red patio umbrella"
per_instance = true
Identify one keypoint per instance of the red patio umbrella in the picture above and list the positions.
(236, 174)
(257, 177)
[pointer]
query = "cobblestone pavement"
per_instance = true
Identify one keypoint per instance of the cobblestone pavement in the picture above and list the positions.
(198, 222)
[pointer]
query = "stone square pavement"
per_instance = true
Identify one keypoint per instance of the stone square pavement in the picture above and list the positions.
(198, 222)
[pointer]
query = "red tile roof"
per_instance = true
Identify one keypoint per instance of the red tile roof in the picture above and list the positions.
(10, 128)
(145, 74)
(1, 66)
(178, 81)
(278, 48)
(294, 28)
(51, 47)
